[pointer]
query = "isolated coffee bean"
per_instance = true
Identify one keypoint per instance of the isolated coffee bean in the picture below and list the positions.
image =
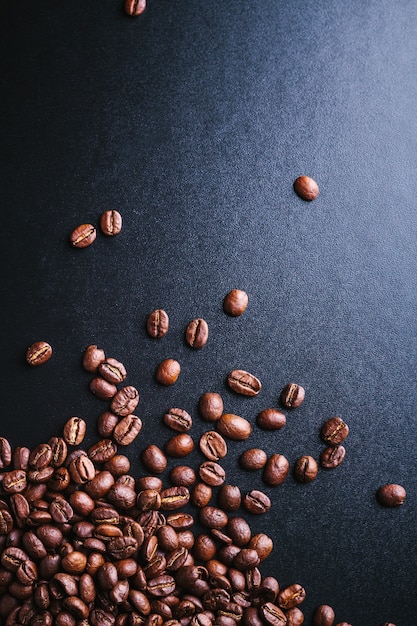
(134, 7)
(244, 383)
(83, 236)
(291, 596)
(74, 431)
(292, 396)
(178, 419)
(271, 419)
(158, 323)
(332, 457)
(256, 502)
(196, 333)
(126, 431)
(235, 302)
(210, 406)
(229, 497)
(306, 188)
(276, 470)
(323, 615)
(125, 401)
(391, 495)
(167, 372)
(253, 459)
(111, 223)
(305, 469)
(92, 358)
(112, 370)
(154, 459)
(234, 427)
(38, 353)
(179, 446)
(213, 446)
(101, 388)
(334, 431)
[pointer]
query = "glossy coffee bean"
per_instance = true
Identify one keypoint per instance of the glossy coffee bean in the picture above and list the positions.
(253, 459)
(213, 446)
(235, 302)
(229, 497)
(391, 495)
(102, 451)
(201, 494)
(323, 615)
(271, 419)
(244, 383)
(334, 431)
(272, 614)
(92, 358)
(111, 223)
(276, 470)
(295, 617)
(291, 596)
(167, 372)
(234, 427)
(38, 353)
(154, 459)
(74, 431)
(125, 401)
(126, 431)
(196, 333)
(174, 498)
(106, 424)
(210, 406)
(306, 188)
(262, 544)
(134, 7)
(178, 419)
(182, 475)
(305, 469)
(256, 502)
(157, 323)
(83, 236)
(101, 388)
(292, 396)
(212, 473)
(213, 517)
(332, 457)
(112, 370)
(179, 446)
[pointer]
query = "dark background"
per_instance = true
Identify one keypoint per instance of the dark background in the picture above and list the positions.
(193, 121)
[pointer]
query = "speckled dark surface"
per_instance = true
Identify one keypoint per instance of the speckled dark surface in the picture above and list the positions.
(193, 121)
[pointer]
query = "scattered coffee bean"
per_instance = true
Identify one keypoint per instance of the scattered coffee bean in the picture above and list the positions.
(106, 424)
(158, 323)
(271, 419)
(125, 401)
(272, 614)
(332, 457)
(154, 459)
(234, 427)
(74, 431)
(213, 446)
(201, 494)
(229, 497)
(126, 431)
(334, 431)
(38, 353)
(167, 372)
(210, 406)
(112, 370)
(305, 469)
(256, 502)
(212, 473)
(235, 302)
(306, 188)
(196, 333)
(253, 459)
(101, 388)
(134, 8)
(291, 596)
(179, 446)
(292, 396)
(244, 383)
(83, 236)
(182, 475)
(213, 517)
(111, 223)
(178, 419)
(391, 495)
(92, 358)
(323, 615)
(276, 470)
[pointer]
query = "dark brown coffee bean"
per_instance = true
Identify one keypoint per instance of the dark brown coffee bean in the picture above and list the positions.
(391, 495)
(239, 531)
(201, 494)
(19, 457)
(106, 424)
(12, 558)
(167, 372)
(125, 401)
(334, 431)
(292, 396)
(178, 419)
(161, 586)
(61, 510)
(154, 459)
(112, 370)
(83, 236)
(246, 559)
(291, 596)
(74, 562)
(111, 223)
(41, 456)
(212, 473)
(323, 615)
(76, 607)
(256, 502)
(74, 431)
(182, 475)
(14, 481)
(271, 419)
(253, 459)
(158, 323)
(213, 446)
(276, 470)
(101, 388)
(180, 521)
(122, 496)
(305, 469)
(210, 406)
(234, 427)
(213, 517)
(59, 451)
(244, 383)
(38, 353)
(92, 358)
(295, 617)
(102, 451)
(272, 614)
(262, 544)
(127, 430)
(251, 617)
(82, 503)
(100, 485)
(179, 446)
(81, 469)
(118, 465)
(174, 498)
(196, 333)
(306, 188)
(332, 457)
(134, 7)
(6, 522)
(235, 302)
(229, 497)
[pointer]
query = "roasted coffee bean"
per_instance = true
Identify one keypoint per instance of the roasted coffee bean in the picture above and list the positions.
(204, 547)
(148, 499)
(178, 419)
(235, 302)
(61, 510)
(83, 236)
(291, 596)
(92, 358)
(210, 406)
(167, 372)
(253, 459)
(19, 456)
(332, 457)
(334, 431)
(182, 475)
(6, 454)
(81, 469)
(174, 498)
(213, 517)
(101, 388)
(122, 496)
(292, 396)
(201, 494)
(43, 475)
(229, 497)
(305, 469)
(59, 451)
(196, 333)
(391, 495)
(123, 547)
(118, 465)
(106, 424)
(127, 430)
(244, 383)
(276, 470)
(74, 562)
(213, 446)
(271, 419)
(323, 615)
(125, 401)
(102, 451)
(76, 607)
(6, 522)
(111, 223)
(12, 558)
(100, 485)
(158, 323)
(256, 502)
(161, 586)
(272, 614)
(295, 617)
(74, 431)
(234, 427)
(38, 353)
(251, 617)
(14, 481)
(112, 370)
(179, 446)
(246, 559)
(262, 544)
(81, 503)
(134, 7)
(306, 188)
(239, 531)
(212, 473)
(154, 459)
(107, 576)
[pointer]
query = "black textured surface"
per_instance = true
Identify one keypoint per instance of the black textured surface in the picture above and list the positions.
(193, 121)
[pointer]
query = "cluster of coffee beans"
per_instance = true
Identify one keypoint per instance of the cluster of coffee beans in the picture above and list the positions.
(85, 234)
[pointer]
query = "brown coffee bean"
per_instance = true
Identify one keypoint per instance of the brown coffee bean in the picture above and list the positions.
(61, 510)
(305, 469)
(101, 388)
(82, 503)
(239, 531)
(41, 456)
(246, 559)
(271, 419)
(234, 427)
(323, 615)
(182, 476)
(201, 494)
(334, 431)
(74, 431)
(391, 495)
(256, 502)
(295, 617)
(332, 457)
(262, 544)
(235, 302)
(276, 470)
(6, 454)
(127, 430)
(83, 236)
(179, 446)
(59, 451)
(306, 188)
(14, 481)
(229, 497)
(158, 323)
(292, 396)
(213, 517)
(134, 7)
(178, 419)
(244, 383)
(154, 459)
(92, 358)
(253, 459)
(38, 353)
(212, 473)
(196, 333)
(111, 223)
(167, 372)
(100, 485)
(6, 522)
(174, 498)
(272, 614)
(81, 469)
(102, 451)
(112, 370)
(210, 406)
(213, 446)
(125, 401)
(106, 424)
(291, 596)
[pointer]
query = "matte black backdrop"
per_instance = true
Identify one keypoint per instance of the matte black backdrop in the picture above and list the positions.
(193, 121)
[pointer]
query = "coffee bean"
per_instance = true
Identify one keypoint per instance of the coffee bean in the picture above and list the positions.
(262, 544)
(14, 481)
(323, 615)
(210, 406)
(334, 431)
(83, 236)
(332, 457)
(212, 473)
(391, 495)
(229, 497)
(100, 485)
(125, 401)
(111, 223)
(74, 431)
(306, 188)
(253, 459)
(213, 446)
(272, 614)
(112, 370)
(201, 494)
(305, 469)
(256, 502)
(154, 459)
(196, 333)
(234, 427)
(38, 353)
(61, 510)
(158, 323)
(292, 396)
(235, 302)
(276, 470)
(102, 451)
(81, 469)
(101, 388)
(167, 372)
(182, 475)
(134, 7)
(244, 383)
(6, 454)
(271, 419)
(179, 446)
(126, 431)
(92, 358)
(59, 451)
(291, 596)
(295, 617)
(174, 498)
(213, 517)
(178, 419)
